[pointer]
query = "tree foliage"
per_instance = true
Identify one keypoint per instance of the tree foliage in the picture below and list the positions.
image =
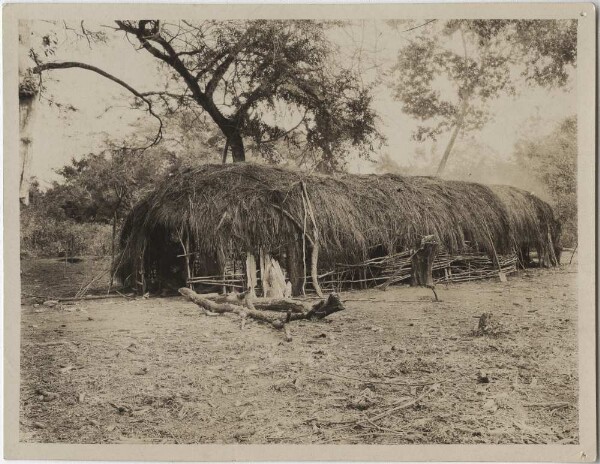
(259, 80)
(46, 231)
(96, 191)
(553, 160)
(450, 71)
(98, 186)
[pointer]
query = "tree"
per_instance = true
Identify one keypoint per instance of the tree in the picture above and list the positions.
(450, 71)
(28, 90)
(252, 78)
(103, 187)
(552, 159)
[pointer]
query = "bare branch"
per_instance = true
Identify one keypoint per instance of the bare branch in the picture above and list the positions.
(218, 74)
(288, 132)
(420, 25)
(74, 64)
(170, 57)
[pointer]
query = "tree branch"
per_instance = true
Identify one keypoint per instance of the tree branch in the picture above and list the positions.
(218, 74)
(261, 91)
(420, 25)
(224, 66)
(75, 64)
(172, 59)
(288, 132)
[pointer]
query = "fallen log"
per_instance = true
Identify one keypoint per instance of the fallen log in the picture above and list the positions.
(245, 307)
(265, 304)
(280, 304)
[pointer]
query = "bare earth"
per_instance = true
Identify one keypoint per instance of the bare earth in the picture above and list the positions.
(395, 368)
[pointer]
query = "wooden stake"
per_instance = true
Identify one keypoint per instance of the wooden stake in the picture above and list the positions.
(314, 260)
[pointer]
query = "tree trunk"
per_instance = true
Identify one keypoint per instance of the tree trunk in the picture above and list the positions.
(27, 95)
(236, 146)
(457, 127)
(225, 151)
(314, 269)
(112, 250)
(25, 147)
(422, 262)
(295, 267)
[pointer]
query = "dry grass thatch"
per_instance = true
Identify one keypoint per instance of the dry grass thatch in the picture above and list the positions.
(243, 207)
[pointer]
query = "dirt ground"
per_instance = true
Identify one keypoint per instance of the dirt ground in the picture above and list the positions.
(394, 368)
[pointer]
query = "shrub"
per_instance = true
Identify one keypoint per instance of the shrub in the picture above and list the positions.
(46, 236)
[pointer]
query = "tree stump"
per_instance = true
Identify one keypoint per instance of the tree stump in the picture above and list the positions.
(422, 262)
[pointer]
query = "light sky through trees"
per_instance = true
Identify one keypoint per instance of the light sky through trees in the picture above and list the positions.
(373, 45)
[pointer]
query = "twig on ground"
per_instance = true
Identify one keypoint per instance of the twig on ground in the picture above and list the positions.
(371, 420)
(573, 254)
(366, 434)
(124, 296)
(83, 290)
(402, 406)
(402, 384)
(562, 404)
(432, 287)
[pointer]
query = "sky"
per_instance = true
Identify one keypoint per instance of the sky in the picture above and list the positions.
(103, 106)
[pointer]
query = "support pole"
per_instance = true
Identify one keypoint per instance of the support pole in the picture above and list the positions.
(314, 256)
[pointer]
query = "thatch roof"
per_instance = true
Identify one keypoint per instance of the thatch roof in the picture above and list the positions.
(243, 207)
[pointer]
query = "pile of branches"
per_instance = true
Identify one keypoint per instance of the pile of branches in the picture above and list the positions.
(246, 305)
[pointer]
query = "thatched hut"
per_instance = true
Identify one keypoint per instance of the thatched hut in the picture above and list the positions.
(203, 224)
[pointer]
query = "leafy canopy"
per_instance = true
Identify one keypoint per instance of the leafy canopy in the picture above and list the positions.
(98, 187)
(261, 80)
(456, 64)
(268, 81)
(552, 159)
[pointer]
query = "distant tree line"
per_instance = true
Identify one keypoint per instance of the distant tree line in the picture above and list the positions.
(81, 214)
(552, 159)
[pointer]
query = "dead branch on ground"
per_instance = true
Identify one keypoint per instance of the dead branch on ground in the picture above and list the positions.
(245, 306)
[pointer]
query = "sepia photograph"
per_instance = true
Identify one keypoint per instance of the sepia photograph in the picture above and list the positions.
(302, 229)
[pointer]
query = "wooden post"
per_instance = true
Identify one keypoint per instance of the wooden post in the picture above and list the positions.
(188, 269)
(295, 268)
(523, 256)
(143, 270)
(422, 261)
(222, 263)
(264, 258)
(251, 272)
(554, 261)
(186, 255)
(314, 256)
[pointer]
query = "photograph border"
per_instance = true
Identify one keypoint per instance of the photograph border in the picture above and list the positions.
(585, 451)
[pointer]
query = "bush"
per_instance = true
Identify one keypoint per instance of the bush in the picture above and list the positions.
(44, 236)
(553, 160)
